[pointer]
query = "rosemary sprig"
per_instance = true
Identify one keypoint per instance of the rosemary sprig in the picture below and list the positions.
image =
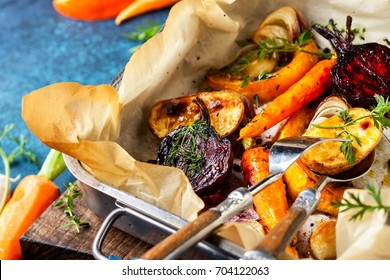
(354, 202)
(377, 114)
(72, 193)
(193, 158)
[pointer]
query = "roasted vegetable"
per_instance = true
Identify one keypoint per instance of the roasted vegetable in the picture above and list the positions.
(270, 203)
(297, 124)
(203, 155)
(226, 110)
(323, 241)
(298, 178)
(266, 68)
(312, 85)
(276, 84)
(362, 71)
(329, 158)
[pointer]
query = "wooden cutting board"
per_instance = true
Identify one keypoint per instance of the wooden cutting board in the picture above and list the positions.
(46, 239)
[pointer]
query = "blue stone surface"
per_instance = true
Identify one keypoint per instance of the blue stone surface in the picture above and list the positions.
(39, 47)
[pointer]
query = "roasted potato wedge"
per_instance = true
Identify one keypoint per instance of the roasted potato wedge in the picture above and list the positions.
(323, 241)
(226, 109)
(327, 158)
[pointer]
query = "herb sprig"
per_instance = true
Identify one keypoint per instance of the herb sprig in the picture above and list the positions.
(354, 202)
(377, 114)
(20, 151)
(71, 194)
(143, 33)
(266, 48)
(194, 159)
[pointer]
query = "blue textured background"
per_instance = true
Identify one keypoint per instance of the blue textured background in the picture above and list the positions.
(39, 47)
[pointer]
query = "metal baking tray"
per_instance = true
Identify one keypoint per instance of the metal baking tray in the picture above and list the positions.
(140, 218)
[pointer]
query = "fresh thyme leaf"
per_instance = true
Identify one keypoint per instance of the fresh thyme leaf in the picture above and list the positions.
(72, 192)
(354, 202)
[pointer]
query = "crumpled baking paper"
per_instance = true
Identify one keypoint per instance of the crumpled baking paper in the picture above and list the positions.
(368, 238)
(106, 129)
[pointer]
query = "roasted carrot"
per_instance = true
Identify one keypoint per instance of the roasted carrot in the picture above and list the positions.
(269, 89)
(312, 85)
(31, 197)
(90, 9)
(270, 203)
(139, 7)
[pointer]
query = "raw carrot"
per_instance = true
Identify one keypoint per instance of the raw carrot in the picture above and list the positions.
(31, 197)
(313, 84)
(90, 9)
(139, 7)
(269, 89)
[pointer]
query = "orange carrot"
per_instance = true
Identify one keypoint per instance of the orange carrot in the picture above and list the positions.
(31, 197)
(139, 7)
(312, 85)
(270, 203)
(90, 9)
(269, 89)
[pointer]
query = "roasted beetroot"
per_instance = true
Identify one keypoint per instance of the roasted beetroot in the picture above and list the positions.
(361, 70)
(204, 156)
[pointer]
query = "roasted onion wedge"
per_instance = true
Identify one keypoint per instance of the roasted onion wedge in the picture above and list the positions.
(226, 109)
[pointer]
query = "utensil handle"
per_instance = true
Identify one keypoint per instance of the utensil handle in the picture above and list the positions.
(206, 223)
(276, 241)
(165, 247)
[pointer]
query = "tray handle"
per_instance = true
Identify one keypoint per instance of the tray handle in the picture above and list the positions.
(108, 223)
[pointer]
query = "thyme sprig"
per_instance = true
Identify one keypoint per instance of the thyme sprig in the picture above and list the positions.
(193, 158)
(71, 194)
(266, 48)
(354, 202)
(377, 114)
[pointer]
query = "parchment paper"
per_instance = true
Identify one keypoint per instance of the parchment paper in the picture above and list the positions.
(107, 129)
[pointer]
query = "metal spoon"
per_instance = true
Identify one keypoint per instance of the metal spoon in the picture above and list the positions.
(274, 244)
(282, 154)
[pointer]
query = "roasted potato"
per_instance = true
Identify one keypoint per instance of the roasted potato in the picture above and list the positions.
(226, 108)
(327, 158)
(323, 241)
